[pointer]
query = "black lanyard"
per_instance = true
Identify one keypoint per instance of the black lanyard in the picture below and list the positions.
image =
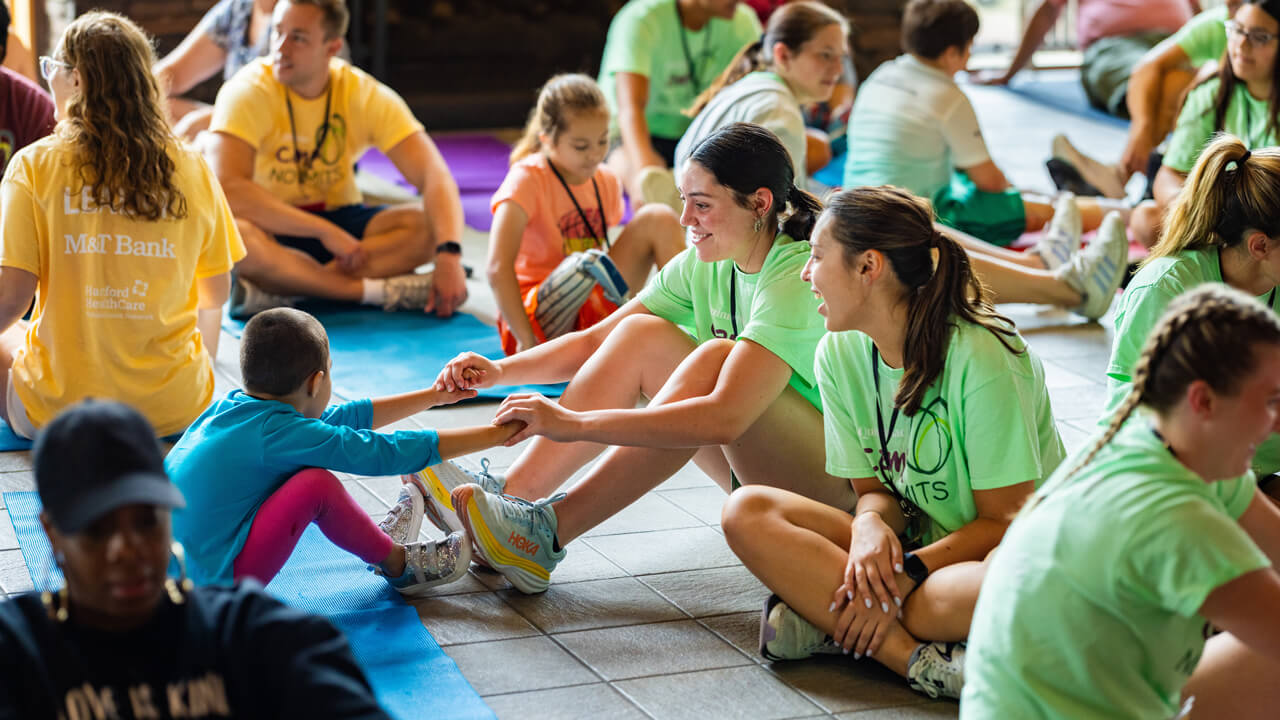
(909, 509)
(688, 56)
(305, 163)
(733, 297)
(604, 223)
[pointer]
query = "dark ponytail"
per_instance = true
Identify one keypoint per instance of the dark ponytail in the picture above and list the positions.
(900, 226)
(744, 158)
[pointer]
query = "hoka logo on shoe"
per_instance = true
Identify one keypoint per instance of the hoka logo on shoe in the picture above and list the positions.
(523, 544)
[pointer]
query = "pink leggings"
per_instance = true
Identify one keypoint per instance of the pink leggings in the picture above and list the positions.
(313, 495)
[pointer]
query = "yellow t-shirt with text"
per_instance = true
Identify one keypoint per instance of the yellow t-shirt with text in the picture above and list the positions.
(363, 113)
(116, 299)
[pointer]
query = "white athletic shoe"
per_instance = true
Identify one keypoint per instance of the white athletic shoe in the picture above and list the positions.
(937, 669)
(1097, 271)
(438, 482)
(1061, 240)
(432, 563)
(784, 635)
(1106, 178)
(248, 299)
(658, 185)
(404, 521)
(410, 291)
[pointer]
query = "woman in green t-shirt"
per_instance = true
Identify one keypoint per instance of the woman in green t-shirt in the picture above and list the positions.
(1100, 599)
(921, 380)
(1224, 227)
(721, 343)
(1242, 99)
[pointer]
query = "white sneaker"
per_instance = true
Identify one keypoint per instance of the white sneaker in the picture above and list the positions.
(1061, 240)
(1097, 271)
(1106, 178)
(658, 185)
(432, 563)
(784, 635)
(248, 299)
(438, 482)
(410, 291)
(404, 521)
(937, 669)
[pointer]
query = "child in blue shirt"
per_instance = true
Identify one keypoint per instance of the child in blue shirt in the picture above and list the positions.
(255, 467)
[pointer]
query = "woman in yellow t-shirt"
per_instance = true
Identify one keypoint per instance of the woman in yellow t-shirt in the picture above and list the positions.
(120, 235)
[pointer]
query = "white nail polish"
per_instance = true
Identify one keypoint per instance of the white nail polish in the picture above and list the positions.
(897, 567)
(832, 608)
(898, 600)
(884, 608)
(856, 656)
(868, 603)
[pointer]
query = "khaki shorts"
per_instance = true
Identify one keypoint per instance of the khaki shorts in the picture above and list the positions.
(18, 420)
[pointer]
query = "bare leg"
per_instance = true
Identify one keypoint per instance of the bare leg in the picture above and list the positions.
(634, 361)
(784, 447)
(651, 239)
(1146, 223)
(11, 341)
(286, 271)
(1092, 211)
(396, 241)
(975, 247)
(1012, 283)
(1175, 84)
(1232, 681)
(799, 548)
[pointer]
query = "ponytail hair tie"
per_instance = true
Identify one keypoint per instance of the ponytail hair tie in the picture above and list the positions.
(1245, 156)
(794, 195)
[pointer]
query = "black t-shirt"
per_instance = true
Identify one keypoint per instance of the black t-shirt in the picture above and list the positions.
(223, 653)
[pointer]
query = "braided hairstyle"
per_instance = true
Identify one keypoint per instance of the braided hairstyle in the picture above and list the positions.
(1208, 334)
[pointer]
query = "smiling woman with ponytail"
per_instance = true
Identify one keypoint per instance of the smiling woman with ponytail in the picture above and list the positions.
(937, 412)
(1100, 599)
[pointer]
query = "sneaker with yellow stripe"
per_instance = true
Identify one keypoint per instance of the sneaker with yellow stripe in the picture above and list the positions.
(514, 536)
(438, 483)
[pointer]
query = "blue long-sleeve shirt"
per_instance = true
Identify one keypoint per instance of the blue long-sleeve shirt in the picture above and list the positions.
(242, 449)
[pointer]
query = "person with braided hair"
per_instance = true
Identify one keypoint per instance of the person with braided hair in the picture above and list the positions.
(1100, 599)
(720, 343)
(1223, 227)
(919, 375)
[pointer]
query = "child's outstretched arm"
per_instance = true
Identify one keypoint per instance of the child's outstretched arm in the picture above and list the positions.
(509, 223)
(462, 441)
(391, 408)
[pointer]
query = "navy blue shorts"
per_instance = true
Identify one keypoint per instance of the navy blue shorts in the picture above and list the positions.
(351, 218)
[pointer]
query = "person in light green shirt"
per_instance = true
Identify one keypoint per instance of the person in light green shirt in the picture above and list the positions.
(937, 412)
(1099, 601)
(1155, 93)
(720, 343)
(658, 57)
(1224, 227)
(1238, 101)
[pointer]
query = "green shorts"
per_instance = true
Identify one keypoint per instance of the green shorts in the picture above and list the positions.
(999, 217)
(1107, 64)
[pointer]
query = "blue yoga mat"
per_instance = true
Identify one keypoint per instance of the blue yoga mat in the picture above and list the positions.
(378, 353)
(1063, 92)
(410, 674)
(9, 441)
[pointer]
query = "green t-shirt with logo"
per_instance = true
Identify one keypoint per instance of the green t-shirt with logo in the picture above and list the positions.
(1143, 303)
(645, 39)
(774, 307)
(1203, 38)
(985, 423)
(1247, 117)
(1090, 606)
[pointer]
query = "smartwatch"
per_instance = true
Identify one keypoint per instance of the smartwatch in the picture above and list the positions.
(449, 247)
(914, 568)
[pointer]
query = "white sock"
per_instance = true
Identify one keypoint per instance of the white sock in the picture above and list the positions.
(375, 291)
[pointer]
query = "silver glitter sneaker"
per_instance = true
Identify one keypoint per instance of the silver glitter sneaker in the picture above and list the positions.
(404, 520)
(410, 291)
(784, 635)
(438, 482)
(432, 563)
(937, 669)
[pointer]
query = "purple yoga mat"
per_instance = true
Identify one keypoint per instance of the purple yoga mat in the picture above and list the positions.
(478, 164)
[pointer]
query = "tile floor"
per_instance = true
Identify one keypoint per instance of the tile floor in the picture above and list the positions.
(651, 615)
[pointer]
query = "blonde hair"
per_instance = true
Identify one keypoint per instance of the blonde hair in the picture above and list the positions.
(793, 25)
(1229, 191)
(563, 95)
(115, 121)
(1208, 334)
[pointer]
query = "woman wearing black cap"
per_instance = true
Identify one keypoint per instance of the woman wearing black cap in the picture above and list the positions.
(119, 635)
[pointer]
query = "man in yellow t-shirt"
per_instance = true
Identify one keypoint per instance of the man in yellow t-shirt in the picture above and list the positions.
(286, 132)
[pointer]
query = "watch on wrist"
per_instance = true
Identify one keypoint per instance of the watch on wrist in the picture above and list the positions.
(914, 568)
(449, 247)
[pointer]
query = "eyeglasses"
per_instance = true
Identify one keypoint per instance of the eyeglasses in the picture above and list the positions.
(48, 65)
(1255, 37)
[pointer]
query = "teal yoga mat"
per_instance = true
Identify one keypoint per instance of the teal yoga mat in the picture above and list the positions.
(410, 674)
(9, 441)
(378, 353)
